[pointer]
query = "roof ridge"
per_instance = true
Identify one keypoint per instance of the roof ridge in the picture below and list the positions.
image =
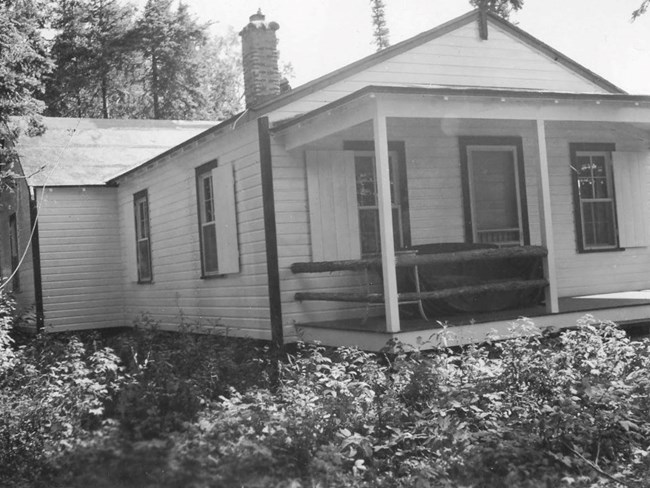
(426, 36)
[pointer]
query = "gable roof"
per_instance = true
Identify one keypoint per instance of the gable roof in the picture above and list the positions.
(88, 152)
(399, 48)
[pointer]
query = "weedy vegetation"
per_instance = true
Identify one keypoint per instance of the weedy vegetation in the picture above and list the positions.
(147, 408)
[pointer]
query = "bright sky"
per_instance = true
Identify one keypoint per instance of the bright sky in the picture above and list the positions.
(318, 36)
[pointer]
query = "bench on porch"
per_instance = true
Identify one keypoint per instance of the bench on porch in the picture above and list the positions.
(449, 277)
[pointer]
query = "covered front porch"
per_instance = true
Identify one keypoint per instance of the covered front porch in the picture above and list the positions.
(466, 208)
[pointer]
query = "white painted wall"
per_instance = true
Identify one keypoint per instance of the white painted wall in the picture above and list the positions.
(238, 302)
(457, 59)
(590, 273)
(80, 258)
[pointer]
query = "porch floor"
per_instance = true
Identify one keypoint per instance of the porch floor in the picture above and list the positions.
(567, 305)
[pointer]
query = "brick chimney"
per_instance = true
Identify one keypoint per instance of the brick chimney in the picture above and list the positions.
(260, 60)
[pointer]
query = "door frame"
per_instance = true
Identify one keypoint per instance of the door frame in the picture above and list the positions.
(466, 143)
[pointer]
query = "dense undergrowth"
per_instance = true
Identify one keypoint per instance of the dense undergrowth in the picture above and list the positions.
(152, 409)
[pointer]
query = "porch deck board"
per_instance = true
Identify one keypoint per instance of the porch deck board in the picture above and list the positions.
(586, 304)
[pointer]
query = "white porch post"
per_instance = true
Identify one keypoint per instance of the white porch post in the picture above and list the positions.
(546, 221)
(385, 219)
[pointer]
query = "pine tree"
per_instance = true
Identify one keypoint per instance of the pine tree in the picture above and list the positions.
(112, 62)
(643, 8)
(109, 39)
(23, 61)
(170, 43)
(92, 56)
(221, 77)
(503, 8)
(380, 26)
(23, 57)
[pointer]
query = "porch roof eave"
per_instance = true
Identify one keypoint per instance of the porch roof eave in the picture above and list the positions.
(470, 103)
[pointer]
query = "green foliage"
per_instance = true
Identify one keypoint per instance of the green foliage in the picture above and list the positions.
(571, 409)
(174, 375)
(502, 8)
(23, 62)
(94, 59)
(115, 62)
(643, 8)
(23, 57)
(54, 393)
(381, 31)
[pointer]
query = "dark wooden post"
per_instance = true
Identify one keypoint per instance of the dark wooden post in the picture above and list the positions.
(270, 233)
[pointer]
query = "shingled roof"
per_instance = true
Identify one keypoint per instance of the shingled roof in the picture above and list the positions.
(78, 152)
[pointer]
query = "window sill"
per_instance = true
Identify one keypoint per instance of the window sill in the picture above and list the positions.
(212, 276)
(596, 251)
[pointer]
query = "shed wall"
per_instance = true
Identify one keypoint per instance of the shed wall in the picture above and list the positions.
(80, 258)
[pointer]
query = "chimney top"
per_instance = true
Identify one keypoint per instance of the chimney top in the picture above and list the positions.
(258, 16)
(257, 21)
(260, 60)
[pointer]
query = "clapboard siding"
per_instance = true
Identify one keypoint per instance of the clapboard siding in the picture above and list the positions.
(458, 58)
(601, 272)
(80, 258)
(237, 301)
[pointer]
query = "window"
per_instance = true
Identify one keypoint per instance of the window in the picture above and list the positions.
(367, 199)
(595, 205)
(494, 190)
(15, 254)
(207, 222)
(217, 212)
(143, 236)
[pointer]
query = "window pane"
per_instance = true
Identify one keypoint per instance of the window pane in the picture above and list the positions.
(210, 248)
(366, 185)
(144, 260)
(586, 188)
(598, 166)
(600, 188)
(583, 166)
(208, 203)
(143, 218)
(599, 224)
(369, 229)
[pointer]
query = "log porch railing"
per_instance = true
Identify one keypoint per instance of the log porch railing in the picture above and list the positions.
(411, 260)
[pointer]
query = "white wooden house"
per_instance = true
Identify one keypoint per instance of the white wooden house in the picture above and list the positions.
(469, 175)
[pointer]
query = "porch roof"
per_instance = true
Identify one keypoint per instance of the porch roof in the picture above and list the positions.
(469, 94)
(464, 102)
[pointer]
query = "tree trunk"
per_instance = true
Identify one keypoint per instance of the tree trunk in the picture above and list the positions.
(104, 96)
(154, 86)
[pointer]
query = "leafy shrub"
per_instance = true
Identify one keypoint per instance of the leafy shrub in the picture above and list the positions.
(174, 374)
(53, 394)
(533, 411)
(168, 409)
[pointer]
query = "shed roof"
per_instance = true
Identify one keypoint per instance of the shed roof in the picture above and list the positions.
(76, 151)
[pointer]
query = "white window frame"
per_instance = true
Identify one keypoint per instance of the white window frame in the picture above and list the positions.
(396, 196)
(611, 199)
(143, 235)
(207, 219)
